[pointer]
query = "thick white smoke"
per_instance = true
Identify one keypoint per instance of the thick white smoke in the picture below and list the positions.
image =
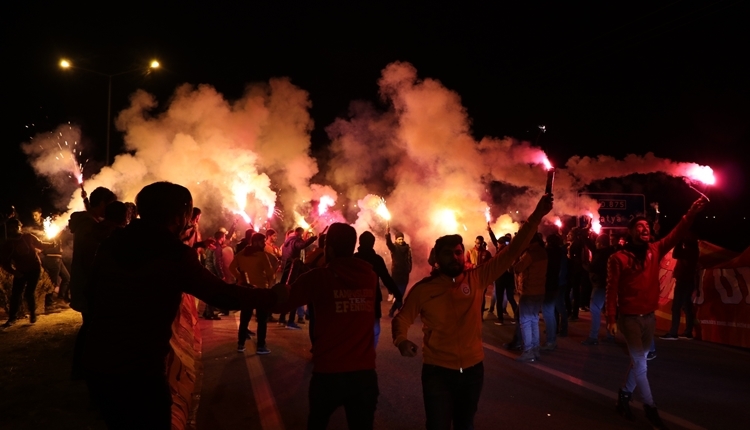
(249, 155)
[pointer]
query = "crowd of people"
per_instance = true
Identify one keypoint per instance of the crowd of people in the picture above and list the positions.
(154, 249)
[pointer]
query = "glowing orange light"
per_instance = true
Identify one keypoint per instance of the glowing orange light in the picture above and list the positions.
(64, 64)
(50, 230)
(154, 64)
(487, 216)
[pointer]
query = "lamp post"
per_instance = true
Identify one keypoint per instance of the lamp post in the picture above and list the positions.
(66, 64)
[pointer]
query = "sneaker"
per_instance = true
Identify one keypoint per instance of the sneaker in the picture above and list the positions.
(652, 415)
(240, 348)
(262, 350)
(527, 357)
(590, 341)
(498, 323)
(651, 355)
(669, 336)
(686, 336)
(292, 325)
(549, 346)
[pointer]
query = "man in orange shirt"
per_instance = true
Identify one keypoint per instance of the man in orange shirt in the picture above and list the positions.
(449, 304)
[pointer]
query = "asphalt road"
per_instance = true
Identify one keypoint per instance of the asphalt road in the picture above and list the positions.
(697, 385)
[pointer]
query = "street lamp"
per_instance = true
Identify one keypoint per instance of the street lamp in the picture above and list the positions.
(66, 64)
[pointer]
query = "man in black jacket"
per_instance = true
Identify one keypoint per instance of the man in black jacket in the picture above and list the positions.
(147, 263)
(400, 265)
(366, 251)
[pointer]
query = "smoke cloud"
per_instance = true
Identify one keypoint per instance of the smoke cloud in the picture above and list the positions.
(251, 155)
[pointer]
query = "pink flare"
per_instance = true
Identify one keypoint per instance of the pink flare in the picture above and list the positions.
(324, 203)
(270, 212)
(547, 164)
(596, 226)
(558, 222)
(702, 174)
(487, 214)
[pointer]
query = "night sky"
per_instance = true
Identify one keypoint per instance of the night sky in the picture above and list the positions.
(612, 78)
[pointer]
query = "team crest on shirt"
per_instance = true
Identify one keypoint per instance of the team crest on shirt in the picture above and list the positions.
(465, 289)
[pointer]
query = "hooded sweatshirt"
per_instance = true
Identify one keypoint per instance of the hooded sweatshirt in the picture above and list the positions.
(148, 265)
(252, 265)
(342, 295)
(451, 308)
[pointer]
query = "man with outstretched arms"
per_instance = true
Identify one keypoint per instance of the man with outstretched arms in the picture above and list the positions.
(449, 304)
(632, 296)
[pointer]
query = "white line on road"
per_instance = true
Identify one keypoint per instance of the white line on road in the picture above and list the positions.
(270, 419)
(595, 388)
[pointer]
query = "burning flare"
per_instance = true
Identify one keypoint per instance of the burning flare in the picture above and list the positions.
(382, 210)
(702, 174)
(325, 203)
(50, 229)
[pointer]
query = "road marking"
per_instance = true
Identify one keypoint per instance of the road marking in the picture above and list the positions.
(595, 388)
(270, 419)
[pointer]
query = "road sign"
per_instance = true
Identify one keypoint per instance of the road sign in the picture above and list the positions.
(617, 209)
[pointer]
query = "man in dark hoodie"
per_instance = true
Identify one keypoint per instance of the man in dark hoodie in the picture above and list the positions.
(124, 356)
(632, 296)
(366, 251)
(293, 267)
(87, 235)
(343, 296)
(400, 265)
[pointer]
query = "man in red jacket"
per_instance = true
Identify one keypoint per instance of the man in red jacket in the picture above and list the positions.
(633, 296)
(342, 295)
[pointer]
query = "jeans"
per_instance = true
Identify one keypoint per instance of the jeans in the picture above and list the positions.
(638, 331)
(300, 315)
(529, 307)
(24, 287)
(596, 305)
(56, 269)
(397, 303)
(682, 301)
(508, 290)
(377, 331)
(451, 396)
(262, 316)
(356, 391)
(550, 321)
